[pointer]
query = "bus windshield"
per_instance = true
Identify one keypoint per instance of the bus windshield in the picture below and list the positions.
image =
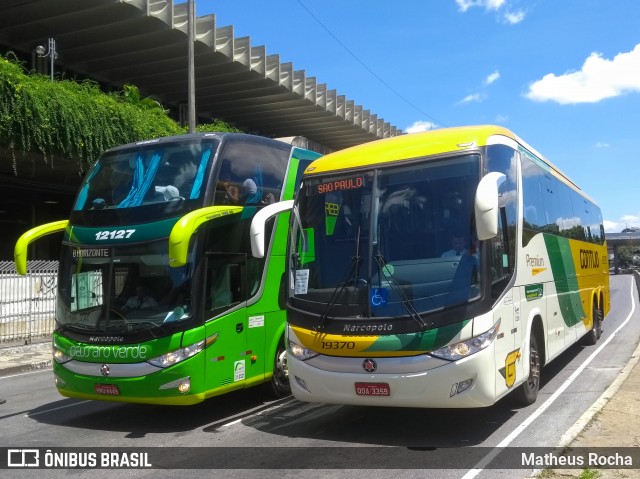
(388, 242)
(146, 182)
(123, 290)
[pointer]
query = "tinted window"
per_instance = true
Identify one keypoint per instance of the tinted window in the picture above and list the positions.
(501, 249)
(552, 206)
(251, 173)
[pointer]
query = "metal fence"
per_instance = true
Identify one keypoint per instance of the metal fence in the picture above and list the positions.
(27, 303)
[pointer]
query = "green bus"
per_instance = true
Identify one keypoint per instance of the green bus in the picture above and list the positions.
(159, 299)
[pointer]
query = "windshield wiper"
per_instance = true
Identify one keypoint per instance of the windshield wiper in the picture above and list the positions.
(130, 326)
(150, 325)
(355, 260)
(68, 326)
(408, 305)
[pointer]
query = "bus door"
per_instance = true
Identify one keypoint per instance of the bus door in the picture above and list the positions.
(508, 348)
(226, 320)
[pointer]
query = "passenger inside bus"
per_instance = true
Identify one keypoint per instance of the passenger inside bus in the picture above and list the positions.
(141, 300)
(457, 246)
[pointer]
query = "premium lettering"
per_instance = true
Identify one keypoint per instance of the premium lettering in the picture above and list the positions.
(535, 261)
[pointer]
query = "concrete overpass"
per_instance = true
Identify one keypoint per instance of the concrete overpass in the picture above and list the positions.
(144, 42)
(615, 240)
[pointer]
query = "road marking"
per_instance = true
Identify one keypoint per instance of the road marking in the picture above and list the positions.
(232, 423)
(57, 408)
(256, 411)
(484, 462)
(24, 374)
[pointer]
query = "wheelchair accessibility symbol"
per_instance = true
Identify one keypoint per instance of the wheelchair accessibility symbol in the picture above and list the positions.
(378, 297)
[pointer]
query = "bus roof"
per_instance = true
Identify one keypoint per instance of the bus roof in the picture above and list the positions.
(200, 136)
(416, 145)
(405, 147)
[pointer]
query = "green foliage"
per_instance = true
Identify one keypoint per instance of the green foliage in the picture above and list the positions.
(589, 474)
(131, 94)
(77, 120)
(216, 125)
(625, 256)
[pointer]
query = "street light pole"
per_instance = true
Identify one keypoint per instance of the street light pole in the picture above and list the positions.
(191, 66)
(50, 52)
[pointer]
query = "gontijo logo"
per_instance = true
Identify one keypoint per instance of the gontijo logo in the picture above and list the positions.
(589, 259)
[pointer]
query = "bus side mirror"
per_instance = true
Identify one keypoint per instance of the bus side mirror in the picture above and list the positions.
(20, 250)
(258, 223)
(487, 205)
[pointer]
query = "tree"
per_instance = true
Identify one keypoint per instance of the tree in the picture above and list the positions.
(131, 94)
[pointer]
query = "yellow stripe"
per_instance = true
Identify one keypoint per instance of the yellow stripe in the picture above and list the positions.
(408, 146)
(333, 344)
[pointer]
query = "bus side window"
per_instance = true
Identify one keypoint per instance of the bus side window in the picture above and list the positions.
(225, 284)
(501, 249)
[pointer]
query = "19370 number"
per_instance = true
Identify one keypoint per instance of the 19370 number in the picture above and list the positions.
(115, 234)
(338, 345)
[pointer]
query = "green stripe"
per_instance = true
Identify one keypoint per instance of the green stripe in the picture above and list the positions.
(565, 279)
(422, 341)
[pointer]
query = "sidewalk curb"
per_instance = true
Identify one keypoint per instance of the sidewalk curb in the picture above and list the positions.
(42, 350)
(26, 368)
(574, 431)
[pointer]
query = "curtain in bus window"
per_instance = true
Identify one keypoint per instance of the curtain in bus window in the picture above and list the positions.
(138, 176)
(197, 184)
(84, 192)
(141, 181)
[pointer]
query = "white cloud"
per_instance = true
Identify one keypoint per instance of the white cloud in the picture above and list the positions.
(465, 5)
(508, 16)
(473, 97)
(513, 18)
(419, 126)
(611, 227)
(502, 118)
(627, 221)
(598, 80)
(602, 144)
(492, 78)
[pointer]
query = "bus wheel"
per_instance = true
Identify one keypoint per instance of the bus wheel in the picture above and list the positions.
(527, 393)
(595, 332)
(279, 385)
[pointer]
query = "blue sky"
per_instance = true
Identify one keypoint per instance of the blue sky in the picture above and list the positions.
(564, 75)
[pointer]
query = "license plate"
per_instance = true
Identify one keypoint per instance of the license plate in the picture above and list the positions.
(107, 389)
(373, 389)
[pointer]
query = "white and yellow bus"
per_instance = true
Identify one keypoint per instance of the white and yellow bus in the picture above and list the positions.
(442, 269)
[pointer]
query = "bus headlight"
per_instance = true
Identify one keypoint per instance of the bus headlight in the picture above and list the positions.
(174, 357)
(59, 356)
(299, 352)
(460, 350)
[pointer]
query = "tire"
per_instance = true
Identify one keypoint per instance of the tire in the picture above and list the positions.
(527, 392)
(591, 338)
(279, 386)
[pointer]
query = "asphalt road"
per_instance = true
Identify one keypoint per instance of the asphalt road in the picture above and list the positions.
(287, 438)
